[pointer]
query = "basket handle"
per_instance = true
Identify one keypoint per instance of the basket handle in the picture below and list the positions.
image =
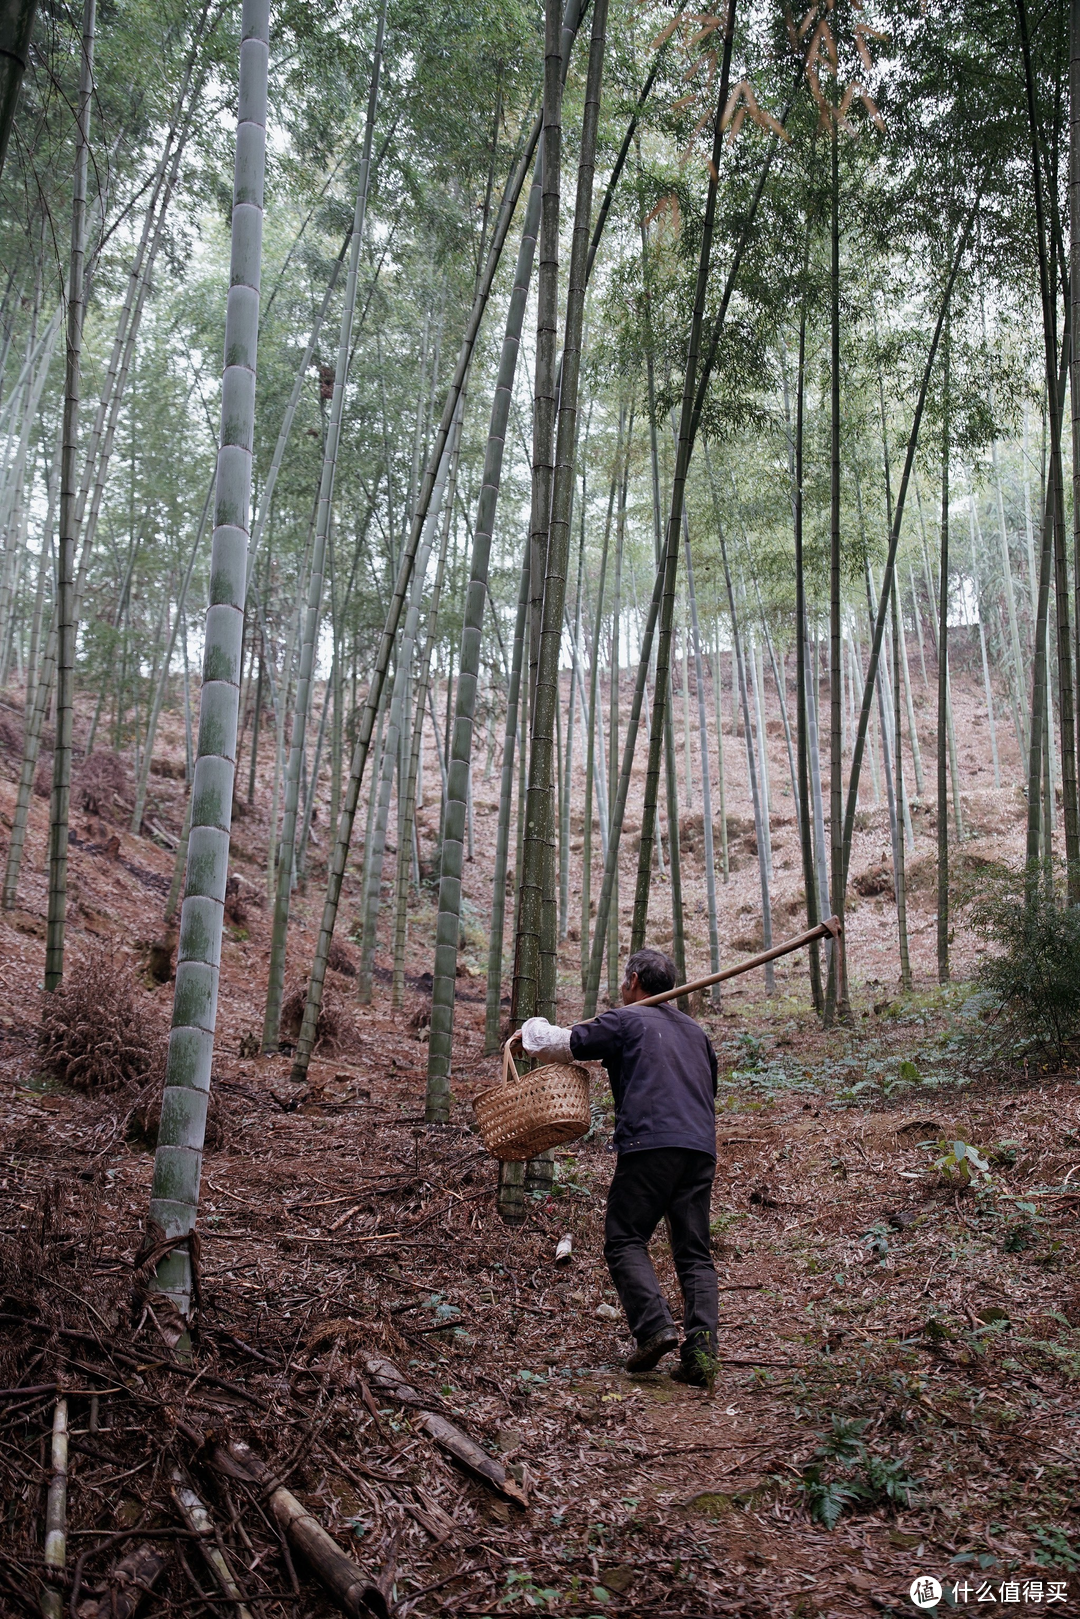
(509, 1066)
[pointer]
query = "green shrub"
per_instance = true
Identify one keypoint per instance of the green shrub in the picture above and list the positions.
(1029, 986)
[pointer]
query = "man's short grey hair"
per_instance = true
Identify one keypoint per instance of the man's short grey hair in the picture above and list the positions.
(655, 971)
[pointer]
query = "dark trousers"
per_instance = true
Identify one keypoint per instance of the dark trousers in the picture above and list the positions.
(646, 1186)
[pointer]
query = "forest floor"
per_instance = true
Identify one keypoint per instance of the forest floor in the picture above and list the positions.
(898, 1350)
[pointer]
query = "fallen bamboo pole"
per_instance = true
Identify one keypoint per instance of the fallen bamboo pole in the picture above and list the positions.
(56, 1511)
(198, 1520)
(346, 1583)
(447, 1435)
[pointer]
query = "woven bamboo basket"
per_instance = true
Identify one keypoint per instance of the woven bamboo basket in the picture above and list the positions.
(527, 1113)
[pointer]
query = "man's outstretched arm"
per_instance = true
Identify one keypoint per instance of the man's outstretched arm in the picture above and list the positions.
(593, 1041)
(545, 1040)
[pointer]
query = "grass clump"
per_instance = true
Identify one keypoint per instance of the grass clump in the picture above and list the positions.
(96, 1032)
(335, 1029)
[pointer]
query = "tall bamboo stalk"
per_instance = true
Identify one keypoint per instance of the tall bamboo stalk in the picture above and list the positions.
(817, 795)
(706, 783)
(756, 678)
(718, 703)
(688, 774)
(943, 686)
(502, 832)
(1074, 297)
(545, 389)
(448, 923)
(804, 710)
(836, 999)
(1054, 391)
(671, 789)
(1066, 694)
(900, 869)
(614, 667)
(343, 839)
(66, 619)
(888, 576)
(1040, 752)
(536, 943)
(275, 987)
(15, 34)
(568, 768)
(591, 777)
(174, 1192)
(533, 899)
(751, 763)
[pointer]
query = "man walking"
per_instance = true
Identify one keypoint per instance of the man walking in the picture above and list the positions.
(662, 1070)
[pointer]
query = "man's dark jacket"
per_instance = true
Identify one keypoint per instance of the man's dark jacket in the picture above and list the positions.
(663, 1076)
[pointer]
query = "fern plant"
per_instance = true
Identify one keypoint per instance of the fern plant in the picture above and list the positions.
(867, 1479)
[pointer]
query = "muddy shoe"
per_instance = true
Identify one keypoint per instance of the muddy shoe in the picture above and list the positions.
(690, 1374)
(648, 1354)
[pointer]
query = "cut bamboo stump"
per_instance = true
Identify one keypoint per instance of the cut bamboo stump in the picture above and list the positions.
(128, 1581)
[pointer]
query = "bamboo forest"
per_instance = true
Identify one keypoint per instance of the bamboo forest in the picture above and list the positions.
(539, 827)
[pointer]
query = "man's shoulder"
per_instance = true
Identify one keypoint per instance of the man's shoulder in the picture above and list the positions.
(668, 1012)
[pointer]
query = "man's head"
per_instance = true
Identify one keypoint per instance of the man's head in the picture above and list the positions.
(648, 972)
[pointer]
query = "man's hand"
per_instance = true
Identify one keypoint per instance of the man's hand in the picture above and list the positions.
(545, 1040)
